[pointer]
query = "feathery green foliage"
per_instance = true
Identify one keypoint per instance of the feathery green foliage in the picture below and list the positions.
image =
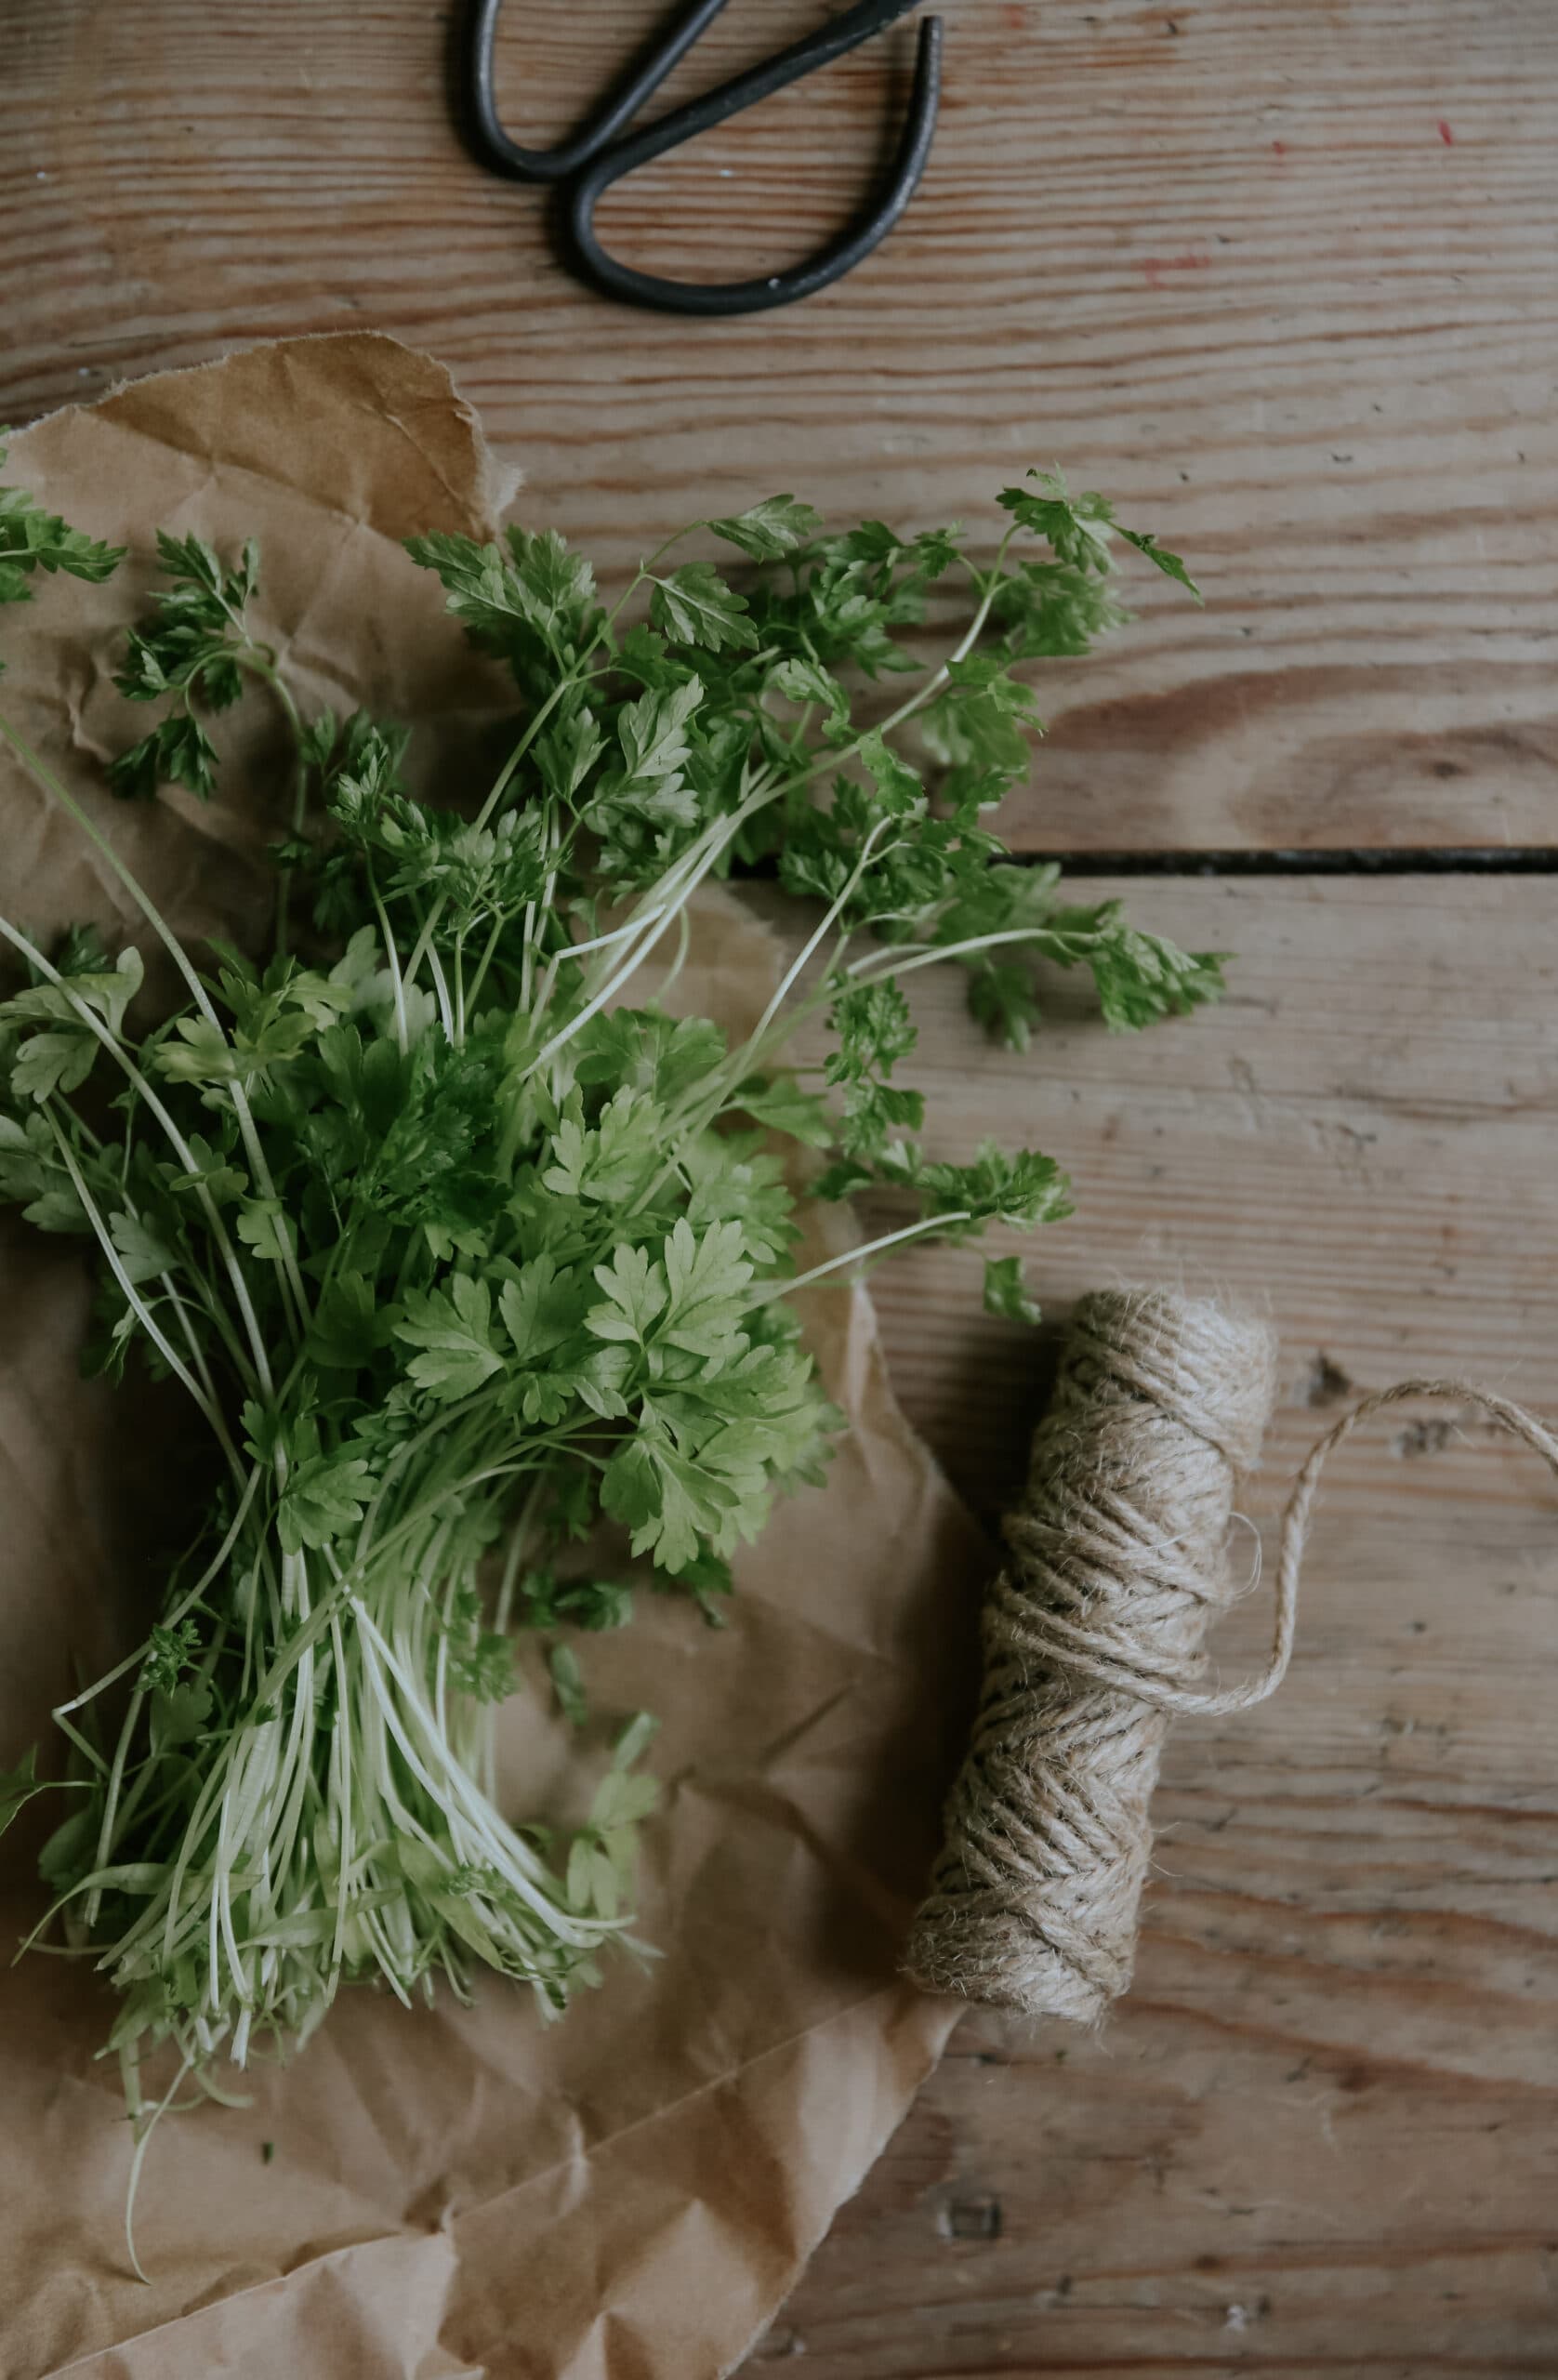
(456, 1246)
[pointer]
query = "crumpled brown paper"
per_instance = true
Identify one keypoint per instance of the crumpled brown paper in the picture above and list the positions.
(629, 2193)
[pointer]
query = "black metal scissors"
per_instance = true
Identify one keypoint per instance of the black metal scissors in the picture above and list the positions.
(587, 166)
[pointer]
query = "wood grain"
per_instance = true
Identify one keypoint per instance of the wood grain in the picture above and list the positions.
(1321, 2135)
(1277, 273)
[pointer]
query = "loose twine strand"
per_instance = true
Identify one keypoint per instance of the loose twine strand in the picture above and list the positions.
(1094, 1636)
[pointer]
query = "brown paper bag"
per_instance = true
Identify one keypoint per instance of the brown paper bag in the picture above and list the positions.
(627, 2194)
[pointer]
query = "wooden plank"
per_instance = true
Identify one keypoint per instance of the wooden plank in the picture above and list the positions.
(1321, 2135)
(1277, 273)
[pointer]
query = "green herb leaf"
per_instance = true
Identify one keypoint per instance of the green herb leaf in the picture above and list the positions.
(262, 1225)
(785, 1107)
(142, 1251)
(454, 1328)
(635, 1740)
(568, 1684)
(324, 1497)
(51, 1062)
(1078, 528)
(694, 606)
(19, 1785)
(1005, 1292)
(1171, 564)
(767, 530)
(32, 539)
(179, 1712)
(170, 1653)
(635, 1290)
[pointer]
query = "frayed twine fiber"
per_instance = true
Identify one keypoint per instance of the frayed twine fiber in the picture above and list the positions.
(1094, 1636)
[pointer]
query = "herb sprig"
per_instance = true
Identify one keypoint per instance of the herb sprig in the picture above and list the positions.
(459, 1244)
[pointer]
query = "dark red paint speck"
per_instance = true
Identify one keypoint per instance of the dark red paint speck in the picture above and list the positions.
(1445, 135)
(1155, 267)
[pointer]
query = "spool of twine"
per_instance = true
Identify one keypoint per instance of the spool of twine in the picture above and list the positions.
(1094, 1636)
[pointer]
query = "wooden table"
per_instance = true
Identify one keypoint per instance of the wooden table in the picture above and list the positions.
(1280, 273)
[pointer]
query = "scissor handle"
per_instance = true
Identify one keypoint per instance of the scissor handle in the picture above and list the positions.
(642, 79)
(610, 165)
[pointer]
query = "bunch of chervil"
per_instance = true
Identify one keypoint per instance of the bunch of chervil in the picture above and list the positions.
(454, 1249)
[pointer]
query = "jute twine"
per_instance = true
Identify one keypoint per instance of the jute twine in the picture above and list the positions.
(1094, 1636)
